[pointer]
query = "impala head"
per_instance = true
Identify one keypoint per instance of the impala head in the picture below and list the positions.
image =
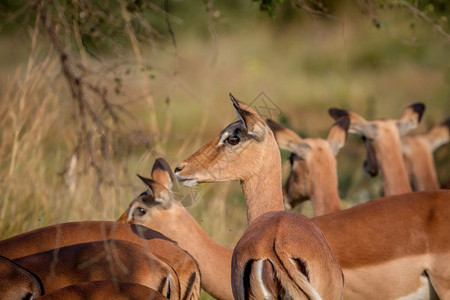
(380, 131)
(310, 159)
(157, 199)
(436, 137)
(237, 153)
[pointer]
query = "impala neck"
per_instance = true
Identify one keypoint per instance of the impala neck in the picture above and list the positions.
(324, 194)
(393, 171)
(214, 260)
(263, 190)
(423, 172)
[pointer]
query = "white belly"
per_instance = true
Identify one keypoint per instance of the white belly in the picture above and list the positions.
(401, 279)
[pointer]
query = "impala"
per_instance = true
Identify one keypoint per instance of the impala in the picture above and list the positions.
(281, 254)
(418, 154)
(66, 234)
(313, 167)
(388, 248)
(365, 239)
(159, 209)
(102, 260)
(105, 289)
(383, 137)
(16, 282)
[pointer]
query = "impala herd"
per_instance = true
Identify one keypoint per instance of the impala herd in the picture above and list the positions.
(395, 247)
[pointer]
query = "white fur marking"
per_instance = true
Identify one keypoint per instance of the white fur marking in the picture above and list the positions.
(259, 268)
(422, 293)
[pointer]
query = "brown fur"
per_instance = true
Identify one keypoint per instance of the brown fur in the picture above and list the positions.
(385, 140)
(255, 162)
(168, 216)
(366, 228)
(418, 154)
(17, 282)
(313, 167)
(66, 234)
(101, 290)
(409, 228)
(102, 260)
(413, 220)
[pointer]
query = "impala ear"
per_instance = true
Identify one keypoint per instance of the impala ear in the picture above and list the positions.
(162, 174)
(155, 194)
(148, 182)
(358, 124)
(288, 139)
(250, 119)
(410, 118)
(439, 135)
(338, 134)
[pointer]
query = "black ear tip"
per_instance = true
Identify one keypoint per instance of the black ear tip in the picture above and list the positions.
(271, 122)
(234, 100)
(343, 122)
(419, 108)
(161, 163)
(337, 113)
(274, 126)
(446, 123)
(144, 179)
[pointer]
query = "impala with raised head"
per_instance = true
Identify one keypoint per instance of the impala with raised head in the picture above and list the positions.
(313, 167)
(418, 154)
(105, 289)
(281, 254)
(17, 282)
(66, 234)
(159, 209)
(383, 139)
(363, 238)
(400, 240)
(102, 260)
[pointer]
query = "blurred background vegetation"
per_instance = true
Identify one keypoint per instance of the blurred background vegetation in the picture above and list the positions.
(93, 91)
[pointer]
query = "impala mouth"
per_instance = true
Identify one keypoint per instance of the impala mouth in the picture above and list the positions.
(186, 181)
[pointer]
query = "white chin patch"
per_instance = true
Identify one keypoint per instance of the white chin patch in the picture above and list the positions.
(189, 182)
(184, 181)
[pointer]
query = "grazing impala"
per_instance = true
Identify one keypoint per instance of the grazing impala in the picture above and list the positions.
(418, 154)
(105, 289)
(159, 209)
(282, 254)
(66, 234)
(16, 282)
(401, 240)
(383, 137)
(313, 167)
(102, 260)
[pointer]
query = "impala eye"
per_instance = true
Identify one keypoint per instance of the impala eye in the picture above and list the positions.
(233, 140)
(140, 211)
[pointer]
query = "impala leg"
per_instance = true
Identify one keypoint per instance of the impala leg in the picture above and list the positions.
(439, 275)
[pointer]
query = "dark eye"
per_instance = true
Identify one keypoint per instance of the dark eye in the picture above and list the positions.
(140, 211)
(292, 158)
(233, 140)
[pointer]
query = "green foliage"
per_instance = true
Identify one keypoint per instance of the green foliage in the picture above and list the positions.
(268, 6)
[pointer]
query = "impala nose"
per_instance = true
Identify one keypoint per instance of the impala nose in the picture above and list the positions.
(179, 167)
